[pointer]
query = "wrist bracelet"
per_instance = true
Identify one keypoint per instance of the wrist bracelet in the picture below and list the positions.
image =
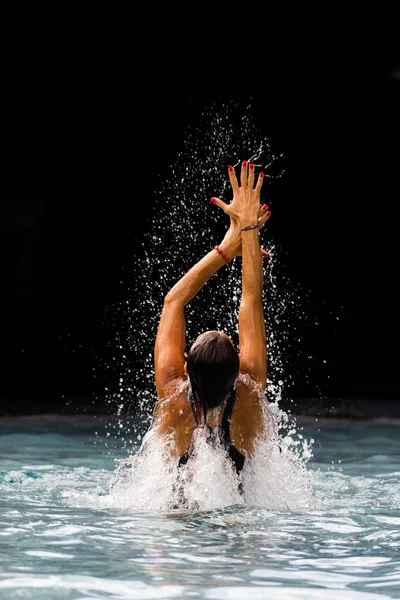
(224, 256)
(249, 227)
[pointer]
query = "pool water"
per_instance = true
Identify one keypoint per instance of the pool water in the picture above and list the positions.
(65, 532)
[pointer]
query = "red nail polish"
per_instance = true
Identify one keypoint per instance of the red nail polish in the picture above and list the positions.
(251, 165)
(213, 200)
(269, 213)
(230, 168)
(261, 174)
(245, 163)
(264, 206)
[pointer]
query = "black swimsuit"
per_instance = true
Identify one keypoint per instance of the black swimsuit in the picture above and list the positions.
(223, 433)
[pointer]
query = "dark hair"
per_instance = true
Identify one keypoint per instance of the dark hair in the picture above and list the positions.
(213, 366)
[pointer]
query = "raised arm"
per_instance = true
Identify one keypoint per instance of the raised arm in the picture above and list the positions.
(245, 208)
(170, 340)
(252, 337)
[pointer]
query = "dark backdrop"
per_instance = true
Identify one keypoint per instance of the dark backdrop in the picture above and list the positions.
(65, 253)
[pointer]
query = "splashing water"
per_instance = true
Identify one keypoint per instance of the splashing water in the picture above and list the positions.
(184, 227)
(275, 477)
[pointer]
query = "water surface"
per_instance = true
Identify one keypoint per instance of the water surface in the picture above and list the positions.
(64, 534)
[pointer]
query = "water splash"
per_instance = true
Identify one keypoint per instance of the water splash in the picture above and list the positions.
(275, 477)
(150, 480)
(183, 226)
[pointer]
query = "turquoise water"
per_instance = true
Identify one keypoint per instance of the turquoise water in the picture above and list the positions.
(65, 534)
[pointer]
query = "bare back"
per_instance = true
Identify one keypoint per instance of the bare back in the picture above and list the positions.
(175, 418)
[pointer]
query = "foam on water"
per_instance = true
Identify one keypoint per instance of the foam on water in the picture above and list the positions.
(276, 477)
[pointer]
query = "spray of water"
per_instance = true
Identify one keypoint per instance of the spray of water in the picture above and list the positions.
(275, 477)
(182, 228)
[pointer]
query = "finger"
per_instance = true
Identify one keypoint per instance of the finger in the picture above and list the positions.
(250, 179)
(259, 182)
(233, 180)
(262, 210)
(243, 175)
(264, 253)
(221, 204)
(262, 220)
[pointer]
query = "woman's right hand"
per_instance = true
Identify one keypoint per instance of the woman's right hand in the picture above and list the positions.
(245, 206)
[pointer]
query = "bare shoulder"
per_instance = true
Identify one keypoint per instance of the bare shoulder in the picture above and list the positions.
(248, 422)
(174, 417)
(175, 403)
(249, 394)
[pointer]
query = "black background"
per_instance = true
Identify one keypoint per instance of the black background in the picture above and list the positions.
(63, 250)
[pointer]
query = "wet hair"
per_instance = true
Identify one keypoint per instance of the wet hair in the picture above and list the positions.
(213, 367)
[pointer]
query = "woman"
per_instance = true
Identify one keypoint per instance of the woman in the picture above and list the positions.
(217, 387)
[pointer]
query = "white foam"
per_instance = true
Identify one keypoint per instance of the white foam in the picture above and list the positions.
(276, 477)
